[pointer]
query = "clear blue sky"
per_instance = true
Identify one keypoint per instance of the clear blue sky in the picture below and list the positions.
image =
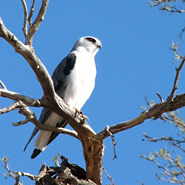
(135, 61)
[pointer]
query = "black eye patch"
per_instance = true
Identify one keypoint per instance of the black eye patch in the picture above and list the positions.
(90, 39)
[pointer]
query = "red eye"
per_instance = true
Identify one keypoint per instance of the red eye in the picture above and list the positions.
(90, 39)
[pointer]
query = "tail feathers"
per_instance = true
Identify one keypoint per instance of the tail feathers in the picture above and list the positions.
(31, 137)
(43, 139)
(35, 153)
(62, 124)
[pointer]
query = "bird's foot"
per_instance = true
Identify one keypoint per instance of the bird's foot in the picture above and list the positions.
(79, 112)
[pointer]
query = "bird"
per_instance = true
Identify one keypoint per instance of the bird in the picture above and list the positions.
(74, 81)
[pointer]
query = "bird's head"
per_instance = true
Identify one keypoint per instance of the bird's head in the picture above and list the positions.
(89, 43)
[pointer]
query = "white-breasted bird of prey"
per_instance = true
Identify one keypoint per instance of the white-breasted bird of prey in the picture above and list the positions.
(74, 80)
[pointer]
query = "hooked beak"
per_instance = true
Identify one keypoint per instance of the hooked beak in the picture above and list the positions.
(99, 45)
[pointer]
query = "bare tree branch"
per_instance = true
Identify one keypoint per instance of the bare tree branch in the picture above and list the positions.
(31, 13)
(93, 146)
(53, 102)
(108, 176)
(30, 56)
(161, 99)
(25, 31)
(113, 141)
(172, 169)
(16, 97)
(154, 112)
(30, 117)
(65, 173)
(16, 174)
(30, 102)
(36, 24)
(166, 6)
(170, 98)
(10, 108)
(21, 122)
(2, 85)
(172, 9)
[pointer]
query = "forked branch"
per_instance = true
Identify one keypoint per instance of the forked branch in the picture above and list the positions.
(31, 13)
(36, 24)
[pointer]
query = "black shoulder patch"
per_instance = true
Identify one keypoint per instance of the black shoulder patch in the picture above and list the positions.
(71, 59)
(60, 83)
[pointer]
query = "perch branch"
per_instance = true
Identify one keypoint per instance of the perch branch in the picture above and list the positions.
(55, 129)
(51, 100)
(30, 116)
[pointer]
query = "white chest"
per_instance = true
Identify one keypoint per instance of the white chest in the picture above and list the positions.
(81, 81)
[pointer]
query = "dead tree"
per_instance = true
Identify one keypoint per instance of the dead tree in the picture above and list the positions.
(92, 142)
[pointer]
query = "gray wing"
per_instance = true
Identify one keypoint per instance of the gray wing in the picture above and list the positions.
(60, 81)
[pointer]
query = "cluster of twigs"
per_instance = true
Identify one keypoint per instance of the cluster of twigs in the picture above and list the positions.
(166, 5)
(63, 173)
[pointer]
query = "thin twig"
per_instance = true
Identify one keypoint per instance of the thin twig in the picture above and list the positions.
(182, 31)
(31, 13)
(24, 29)
(108, 176)
(10, 108)
(170, 98)
(2, 85)
(141, 183)
(21, 122)
(36, 24)
(159, 97)
(146, 100)
(30, 117)
(16, 97)
(172, 9)
(55, 129)
(17, 174)
(113, 141)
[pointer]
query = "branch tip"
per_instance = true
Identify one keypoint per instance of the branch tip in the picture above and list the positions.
(24, 29)
(171, 96)
(107, 129)
(31, 13)
(3, 85)
(159, 97)
(108, 176)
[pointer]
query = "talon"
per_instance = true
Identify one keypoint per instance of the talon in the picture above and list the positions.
(79, 112)
(84, 116)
